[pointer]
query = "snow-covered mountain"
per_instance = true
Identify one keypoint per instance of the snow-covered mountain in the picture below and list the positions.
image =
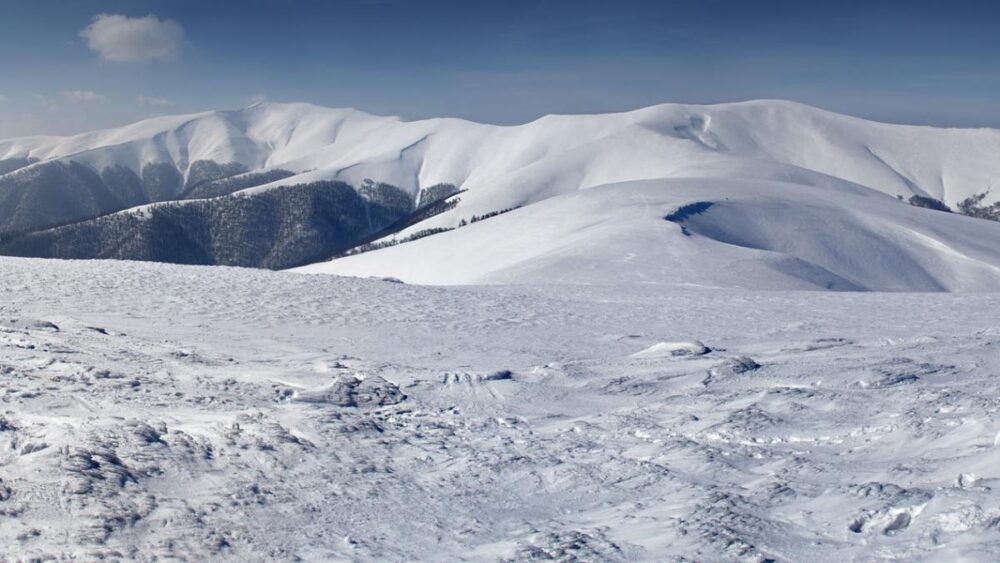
(555, 154)
(799, 197)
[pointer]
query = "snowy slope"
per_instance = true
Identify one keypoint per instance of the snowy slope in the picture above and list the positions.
(553, 155)
(158, 412)
(743, 234)
(255, 137)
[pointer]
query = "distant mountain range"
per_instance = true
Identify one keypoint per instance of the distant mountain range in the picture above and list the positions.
(763, 194)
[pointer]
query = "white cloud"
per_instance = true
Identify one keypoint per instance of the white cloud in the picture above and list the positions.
(121, 38)
(3, 98)
(154, 101)
(81, 96)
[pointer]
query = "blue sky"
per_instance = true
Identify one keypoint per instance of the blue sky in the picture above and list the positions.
(505, 62)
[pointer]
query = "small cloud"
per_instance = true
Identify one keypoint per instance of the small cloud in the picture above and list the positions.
(153, 101)
(81, 96)
(3, 98)
(123, 39)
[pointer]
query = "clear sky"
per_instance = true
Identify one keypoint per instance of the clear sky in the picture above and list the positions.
(72, 65)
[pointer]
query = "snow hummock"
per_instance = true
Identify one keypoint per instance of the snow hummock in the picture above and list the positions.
(673, 349)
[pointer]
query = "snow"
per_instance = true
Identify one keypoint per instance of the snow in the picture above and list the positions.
(795, 191)
(751, 234)
(801, 198)
(673, 349)
(156, 411)
(506, 166)
(624, 368)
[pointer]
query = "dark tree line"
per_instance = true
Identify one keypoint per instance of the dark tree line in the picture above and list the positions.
(485, 216)
(447, 204)
(69, 210)
(36, 196)
(973, 207)
(233, 184)
(9, 165)
(277, 228)
(929, 203)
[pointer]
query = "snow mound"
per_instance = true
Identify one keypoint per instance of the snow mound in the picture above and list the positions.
(731, 367)
(354, 391)
(673, 349)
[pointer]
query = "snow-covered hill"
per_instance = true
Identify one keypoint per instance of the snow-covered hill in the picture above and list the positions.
(727, 233)
(827, 170)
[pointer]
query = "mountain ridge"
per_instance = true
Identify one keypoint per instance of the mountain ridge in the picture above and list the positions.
(328, 143)
(168, 165)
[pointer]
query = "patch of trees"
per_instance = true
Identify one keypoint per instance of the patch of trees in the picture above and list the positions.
(233, 184)
(435, 193)
(973, 207)
(161, 181)
(125, 185)
(430, 208)
(205, 171)
(59, 193)
(279, 228)
(369, 246)
(50, 194)
(490, 215)
(387, 195)
(69, 210)
(9, 165)
(929, 203)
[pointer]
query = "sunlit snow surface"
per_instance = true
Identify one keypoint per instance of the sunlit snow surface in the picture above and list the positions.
(154, 411)
(743, 234)
(556, 154)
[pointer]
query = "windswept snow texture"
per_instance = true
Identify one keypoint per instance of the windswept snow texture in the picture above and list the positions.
(152, 411)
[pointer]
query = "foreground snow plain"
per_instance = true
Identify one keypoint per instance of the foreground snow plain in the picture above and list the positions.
(155, 411)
